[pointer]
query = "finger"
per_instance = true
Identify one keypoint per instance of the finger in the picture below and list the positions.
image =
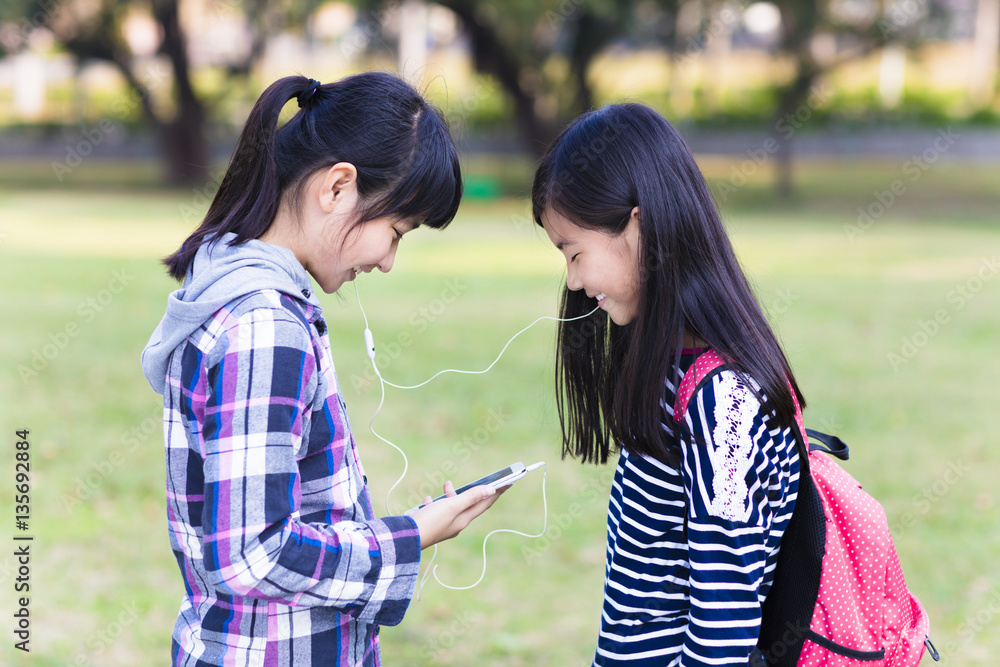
(449, 489)
(484, 505)
(478, 503)
(427, 501)
(476, 494)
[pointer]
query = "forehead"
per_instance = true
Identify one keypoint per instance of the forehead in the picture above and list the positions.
(565, 233)
(561, 230)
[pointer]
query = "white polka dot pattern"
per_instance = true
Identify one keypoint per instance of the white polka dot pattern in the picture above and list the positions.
(863, 603)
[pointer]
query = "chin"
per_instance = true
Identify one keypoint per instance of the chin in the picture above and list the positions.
(330, 287)
(621, 320)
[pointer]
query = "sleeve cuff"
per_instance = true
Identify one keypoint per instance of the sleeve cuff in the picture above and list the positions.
(397, 540)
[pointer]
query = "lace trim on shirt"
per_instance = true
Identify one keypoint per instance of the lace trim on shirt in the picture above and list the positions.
(733, 453)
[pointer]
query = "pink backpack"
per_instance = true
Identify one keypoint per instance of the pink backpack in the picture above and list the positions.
(838, 598)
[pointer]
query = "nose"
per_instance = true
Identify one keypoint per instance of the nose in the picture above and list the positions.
(573, 280)
(386, 264)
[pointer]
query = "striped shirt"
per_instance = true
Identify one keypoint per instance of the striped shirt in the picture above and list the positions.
(692, 551)
(269, 517)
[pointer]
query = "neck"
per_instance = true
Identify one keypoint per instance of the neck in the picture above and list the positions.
(283, 233)
(693, 342)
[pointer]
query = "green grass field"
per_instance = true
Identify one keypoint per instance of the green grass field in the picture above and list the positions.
(892, 330)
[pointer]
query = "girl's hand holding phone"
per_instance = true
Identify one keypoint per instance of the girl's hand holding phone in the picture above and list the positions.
(445, 518)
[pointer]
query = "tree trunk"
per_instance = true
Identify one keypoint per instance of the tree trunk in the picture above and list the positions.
(793, 99)
(799, 21)
(492, 58)
(183, 138)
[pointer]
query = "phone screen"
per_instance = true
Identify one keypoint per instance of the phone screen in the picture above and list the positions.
(498, 475)
(514, 472)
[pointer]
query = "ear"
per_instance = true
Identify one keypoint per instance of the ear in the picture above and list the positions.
(630, 235)
(338, 183)
(632, 226)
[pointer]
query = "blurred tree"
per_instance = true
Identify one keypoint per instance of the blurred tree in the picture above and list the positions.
(983, 81)
(93, 30)
(821, 35)
(539, 52)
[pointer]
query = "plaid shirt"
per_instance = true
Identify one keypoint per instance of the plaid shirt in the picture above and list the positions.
(269, 515)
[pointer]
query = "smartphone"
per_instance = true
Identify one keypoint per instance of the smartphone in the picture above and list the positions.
(498, 480)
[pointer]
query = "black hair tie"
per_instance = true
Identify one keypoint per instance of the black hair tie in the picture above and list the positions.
(306, 96)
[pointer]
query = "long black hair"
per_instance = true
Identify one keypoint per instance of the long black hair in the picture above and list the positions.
(610, 379)
(406, 160)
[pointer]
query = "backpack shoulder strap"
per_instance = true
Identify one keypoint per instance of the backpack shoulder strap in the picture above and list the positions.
(707, 362)
(703, 365)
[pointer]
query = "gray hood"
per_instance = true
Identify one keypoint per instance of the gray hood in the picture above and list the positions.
(219, 274)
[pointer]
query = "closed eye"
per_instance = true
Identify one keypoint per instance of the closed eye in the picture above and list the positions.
(573, 258)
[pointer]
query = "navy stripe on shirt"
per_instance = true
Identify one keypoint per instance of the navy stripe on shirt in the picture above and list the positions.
(683, 595)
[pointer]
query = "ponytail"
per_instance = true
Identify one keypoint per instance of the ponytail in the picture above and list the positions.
(407, 163)
(249, 196)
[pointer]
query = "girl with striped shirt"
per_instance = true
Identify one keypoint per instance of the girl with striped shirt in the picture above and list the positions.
(698, 505)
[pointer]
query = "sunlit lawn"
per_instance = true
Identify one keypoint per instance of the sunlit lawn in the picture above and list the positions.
(892, 332)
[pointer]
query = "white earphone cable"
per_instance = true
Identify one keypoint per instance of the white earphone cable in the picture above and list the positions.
(370, 350)
(432, 569)
(485, 370)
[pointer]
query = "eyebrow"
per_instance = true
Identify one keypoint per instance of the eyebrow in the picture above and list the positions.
(562, 243)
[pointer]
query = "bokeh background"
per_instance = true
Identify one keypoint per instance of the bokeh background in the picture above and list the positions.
(853, 147)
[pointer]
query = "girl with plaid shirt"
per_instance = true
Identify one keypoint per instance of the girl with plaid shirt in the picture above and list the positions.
(270, 519)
